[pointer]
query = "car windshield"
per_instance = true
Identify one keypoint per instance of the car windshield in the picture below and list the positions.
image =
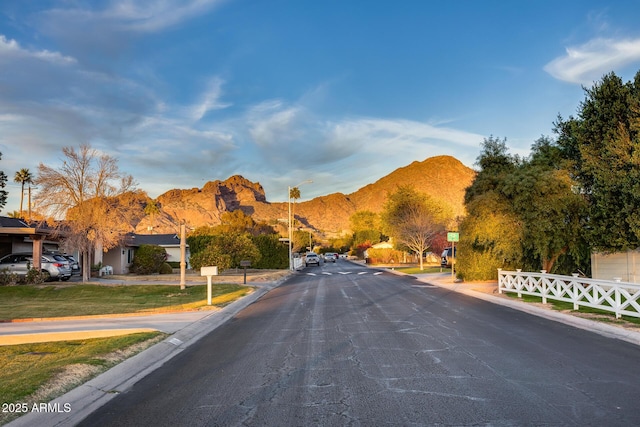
(60, 258)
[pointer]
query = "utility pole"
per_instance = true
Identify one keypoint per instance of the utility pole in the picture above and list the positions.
(183, 255)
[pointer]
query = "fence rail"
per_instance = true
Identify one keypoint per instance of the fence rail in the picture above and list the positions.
(621, 298)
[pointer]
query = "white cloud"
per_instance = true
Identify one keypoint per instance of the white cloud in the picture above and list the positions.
(589, 62)
(152, 15)
(130, 16)
(11, 50)
(210, 100)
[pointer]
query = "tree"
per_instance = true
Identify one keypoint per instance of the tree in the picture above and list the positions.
(3, 192)
(152, 209)
(23, 176)
(522, 213)
(542, 195)
(414, 219)
(294, 193)
(602, 145)
(364, 220)
(490, 238)
(366, 227)
(86, 191)
(491, 233)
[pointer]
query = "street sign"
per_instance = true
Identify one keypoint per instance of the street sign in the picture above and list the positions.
(453, 237)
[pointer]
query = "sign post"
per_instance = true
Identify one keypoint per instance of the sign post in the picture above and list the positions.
(245, 264)
(453, 237)
(209, 271)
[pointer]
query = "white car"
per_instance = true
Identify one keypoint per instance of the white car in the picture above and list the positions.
(330, 257)
(311, 258)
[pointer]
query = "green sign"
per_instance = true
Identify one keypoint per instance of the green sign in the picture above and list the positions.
(453, 237)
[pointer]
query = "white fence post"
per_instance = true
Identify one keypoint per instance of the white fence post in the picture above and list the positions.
(620, 298)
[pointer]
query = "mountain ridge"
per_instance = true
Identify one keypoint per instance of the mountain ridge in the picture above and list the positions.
(442, 177)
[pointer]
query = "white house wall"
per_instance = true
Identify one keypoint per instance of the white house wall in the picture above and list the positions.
(622, 265)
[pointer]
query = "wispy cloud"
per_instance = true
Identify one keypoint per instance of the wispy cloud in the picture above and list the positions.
(210, 100)
(11, 50)
(143, 16)
(587, 63)
(292, 137)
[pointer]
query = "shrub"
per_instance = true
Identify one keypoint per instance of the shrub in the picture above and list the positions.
(166, 268)
(35, 277)
(9, 279)
(273, 253)
(210, 256)
(148, 259)
(385, 256)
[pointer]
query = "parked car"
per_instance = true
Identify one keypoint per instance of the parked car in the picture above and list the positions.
(330, 257)
(446, 259)
(55, 267)
(311, 258)
(75, 267)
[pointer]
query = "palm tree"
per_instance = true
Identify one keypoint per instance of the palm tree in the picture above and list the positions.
(152, 209)
(294, 193)
(23, 176)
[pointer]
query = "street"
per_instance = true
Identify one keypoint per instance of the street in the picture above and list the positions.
(341, 344)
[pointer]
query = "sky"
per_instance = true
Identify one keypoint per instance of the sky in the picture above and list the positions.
(340, 92)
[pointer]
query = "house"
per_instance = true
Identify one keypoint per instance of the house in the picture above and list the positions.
(624, 266)
(18, 236)
(121, 257)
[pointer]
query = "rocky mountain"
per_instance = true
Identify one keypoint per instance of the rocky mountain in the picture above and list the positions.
(442, 177)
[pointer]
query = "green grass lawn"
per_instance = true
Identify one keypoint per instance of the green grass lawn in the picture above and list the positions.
(36, 373)
(600, 315)
(20, 302)
(427, 269)
(39, 372)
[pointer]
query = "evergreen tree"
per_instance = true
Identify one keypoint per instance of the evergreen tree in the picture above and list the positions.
(603, 146)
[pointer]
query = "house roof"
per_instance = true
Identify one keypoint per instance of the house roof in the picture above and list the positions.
(5, 221)
(18, 226)
(164, 240)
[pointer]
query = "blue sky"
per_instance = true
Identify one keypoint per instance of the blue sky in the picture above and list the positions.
(183, 92)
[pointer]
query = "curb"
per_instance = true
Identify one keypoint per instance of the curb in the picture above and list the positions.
(88, 397)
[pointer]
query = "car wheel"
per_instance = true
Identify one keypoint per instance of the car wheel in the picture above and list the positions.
(46, 275)
(64, 279)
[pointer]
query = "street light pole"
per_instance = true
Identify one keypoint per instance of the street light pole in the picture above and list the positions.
(308, 181)
(289, 218)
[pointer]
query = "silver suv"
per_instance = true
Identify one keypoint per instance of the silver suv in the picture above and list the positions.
(55, 267)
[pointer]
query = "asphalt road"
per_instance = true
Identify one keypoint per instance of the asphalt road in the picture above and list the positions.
(345, 345)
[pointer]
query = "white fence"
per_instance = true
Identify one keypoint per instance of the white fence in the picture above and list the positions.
(618, 297)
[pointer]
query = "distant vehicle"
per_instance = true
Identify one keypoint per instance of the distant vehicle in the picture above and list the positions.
(311, 258)
(446, 259)
(54, 267)
(75, 267)
(330, 257)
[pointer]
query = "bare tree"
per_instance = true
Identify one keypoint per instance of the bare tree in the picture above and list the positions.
(86, 192)
(414, 220)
